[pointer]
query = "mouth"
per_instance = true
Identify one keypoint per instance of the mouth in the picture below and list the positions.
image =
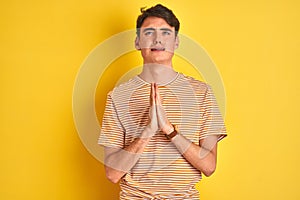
(157, 49)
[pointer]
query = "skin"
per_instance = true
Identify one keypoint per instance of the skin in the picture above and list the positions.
(157, 42)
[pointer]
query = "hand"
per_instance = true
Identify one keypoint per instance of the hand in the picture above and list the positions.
(152, 127)
(162, 119)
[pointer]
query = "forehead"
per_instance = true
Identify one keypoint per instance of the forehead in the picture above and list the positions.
(156, 22)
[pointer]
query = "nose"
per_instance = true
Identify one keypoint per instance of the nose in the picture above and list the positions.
(157, 38)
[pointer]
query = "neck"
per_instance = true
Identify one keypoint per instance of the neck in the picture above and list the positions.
(157, 73)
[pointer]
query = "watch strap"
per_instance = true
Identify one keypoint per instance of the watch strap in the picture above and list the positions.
(172, 134)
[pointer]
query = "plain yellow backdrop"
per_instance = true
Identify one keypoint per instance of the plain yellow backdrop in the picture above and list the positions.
(255, 45)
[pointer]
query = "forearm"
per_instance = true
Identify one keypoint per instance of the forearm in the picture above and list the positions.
(201, 157)
(119, 161)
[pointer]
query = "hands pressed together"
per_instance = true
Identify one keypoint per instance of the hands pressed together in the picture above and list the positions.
(158, 119)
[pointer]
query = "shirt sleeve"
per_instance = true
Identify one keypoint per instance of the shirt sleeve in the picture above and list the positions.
(112, 133)
(212, 120)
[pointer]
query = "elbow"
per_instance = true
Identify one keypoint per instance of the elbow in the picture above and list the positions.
(112, 179)
(209, 171)
(111, 175)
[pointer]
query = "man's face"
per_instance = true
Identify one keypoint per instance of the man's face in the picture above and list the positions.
(157, 41)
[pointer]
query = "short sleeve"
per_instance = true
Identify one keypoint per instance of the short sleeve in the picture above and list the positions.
(112, 133)
(212, 120)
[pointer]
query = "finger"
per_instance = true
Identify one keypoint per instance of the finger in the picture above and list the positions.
(152, 113)
(157, 95)
(152, 95)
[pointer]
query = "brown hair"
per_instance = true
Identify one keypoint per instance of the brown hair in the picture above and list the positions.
(157, 11)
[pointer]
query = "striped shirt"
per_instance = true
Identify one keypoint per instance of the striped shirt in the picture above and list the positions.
(161, 172)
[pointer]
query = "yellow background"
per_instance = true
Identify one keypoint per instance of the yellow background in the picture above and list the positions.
(255, 45)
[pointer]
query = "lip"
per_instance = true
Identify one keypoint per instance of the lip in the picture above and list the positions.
(158, 49)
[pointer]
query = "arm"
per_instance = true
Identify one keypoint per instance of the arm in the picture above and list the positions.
(119, 161)
(202, 157)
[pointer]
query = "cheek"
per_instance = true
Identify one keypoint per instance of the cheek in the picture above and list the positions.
(145, 52)
(170, 46)
(146, 42)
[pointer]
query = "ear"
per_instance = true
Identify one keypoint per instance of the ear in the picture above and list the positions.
(137, 43)
(176, 42)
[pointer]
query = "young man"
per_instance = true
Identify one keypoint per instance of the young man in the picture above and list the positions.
(160, 129)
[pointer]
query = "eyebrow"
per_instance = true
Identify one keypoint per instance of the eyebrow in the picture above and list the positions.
(153, 29)
(149, 29)
(166, 29)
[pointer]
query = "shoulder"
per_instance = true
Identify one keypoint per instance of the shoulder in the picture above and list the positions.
(197, 85)
(124, 88)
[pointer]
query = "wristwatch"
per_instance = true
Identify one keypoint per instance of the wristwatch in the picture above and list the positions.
(172, 134)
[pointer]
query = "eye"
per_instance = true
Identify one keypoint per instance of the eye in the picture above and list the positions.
(148, 33)
(166, 33)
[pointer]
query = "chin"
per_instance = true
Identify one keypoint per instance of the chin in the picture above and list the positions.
(159, 60)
